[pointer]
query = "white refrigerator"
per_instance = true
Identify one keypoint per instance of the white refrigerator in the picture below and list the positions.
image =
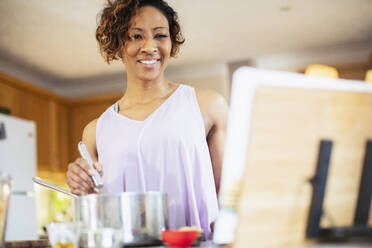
(18, 158)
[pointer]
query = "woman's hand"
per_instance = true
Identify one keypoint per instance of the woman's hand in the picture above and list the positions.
(79, 177)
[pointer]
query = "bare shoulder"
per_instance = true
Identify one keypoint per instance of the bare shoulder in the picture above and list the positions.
(210, 98)
(212, 104)
(89, 136)
(90, 130)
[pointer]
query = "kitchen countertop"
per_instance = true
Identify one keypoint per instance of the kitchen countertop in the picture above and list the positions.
(339, 245)
(44, 243)
(210, 244)
(207, 244)
(41, 243)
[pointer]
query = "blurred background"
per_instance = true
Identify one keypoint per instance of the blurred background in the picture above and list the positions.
(51, 71)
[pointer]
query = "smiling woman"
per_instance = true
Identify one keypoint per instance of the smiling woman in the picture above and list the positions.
(147, 51)
(161, 135)
(112, 32)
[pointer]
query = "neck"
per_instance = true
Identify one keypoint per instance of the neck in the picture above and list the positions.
(141, 91)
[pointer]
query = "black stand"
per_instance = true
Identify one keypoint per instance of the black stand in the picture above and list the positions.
(360, 227)
(365, 191)
(2, 131)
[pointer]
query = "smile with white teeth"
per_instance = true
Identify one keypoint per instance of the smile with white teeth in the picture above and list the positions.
(148, 62)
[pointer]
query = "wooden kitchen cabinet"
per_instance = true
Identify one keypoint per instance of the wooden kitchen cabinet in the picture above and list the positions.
(63, 136)
(51, 115)
(39, 109)
(9, 99)
(81, 114)
(59, 121)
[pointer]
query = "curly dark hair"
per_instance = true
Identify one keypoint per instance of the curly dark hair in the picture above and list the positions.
(112, 30)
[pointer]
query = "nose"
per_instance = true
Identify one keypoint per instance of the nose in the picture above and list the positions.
(149, 46)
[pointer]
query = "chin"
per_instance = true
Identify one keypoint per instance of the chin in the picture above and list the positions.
(150, 76)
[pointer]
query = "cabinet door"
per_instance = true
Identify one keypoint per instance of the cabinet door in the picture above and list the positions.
(9, 98)
(80, 117)
(40, 110)
(64, 137)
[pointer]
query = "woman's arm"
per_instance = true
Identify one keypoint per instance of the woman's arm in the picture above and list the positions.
(89, 139)
(215, 110)
(79, 172)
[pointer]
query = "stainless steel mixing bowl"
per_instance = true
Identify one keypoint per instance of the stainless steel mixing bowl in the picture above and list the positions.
(129, 218)
(140, 217)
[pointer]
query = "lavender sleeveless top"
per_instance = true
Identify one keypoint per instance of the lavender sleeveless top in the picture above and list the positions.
(166, 152)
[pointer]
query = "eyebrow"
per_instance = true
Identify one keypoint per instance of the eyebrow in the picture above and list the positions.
(156, 28)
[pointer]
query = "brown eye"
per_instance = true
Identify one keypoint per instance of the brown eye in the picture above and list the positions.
(136, 37)
(161, 36)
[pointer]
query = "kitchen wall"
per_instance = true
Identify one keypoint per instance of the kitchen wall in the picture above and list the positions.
(203, 76)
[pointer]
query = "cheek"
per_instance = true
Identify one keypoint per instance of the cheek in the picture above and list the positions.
(167, 48)
(129, 51)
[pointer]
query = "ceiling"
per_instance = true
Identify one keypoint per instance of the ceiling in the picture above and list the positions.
(52, 43)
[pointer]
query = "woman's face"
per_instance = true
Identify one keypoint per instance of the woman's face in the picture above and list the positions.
(148, 48)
